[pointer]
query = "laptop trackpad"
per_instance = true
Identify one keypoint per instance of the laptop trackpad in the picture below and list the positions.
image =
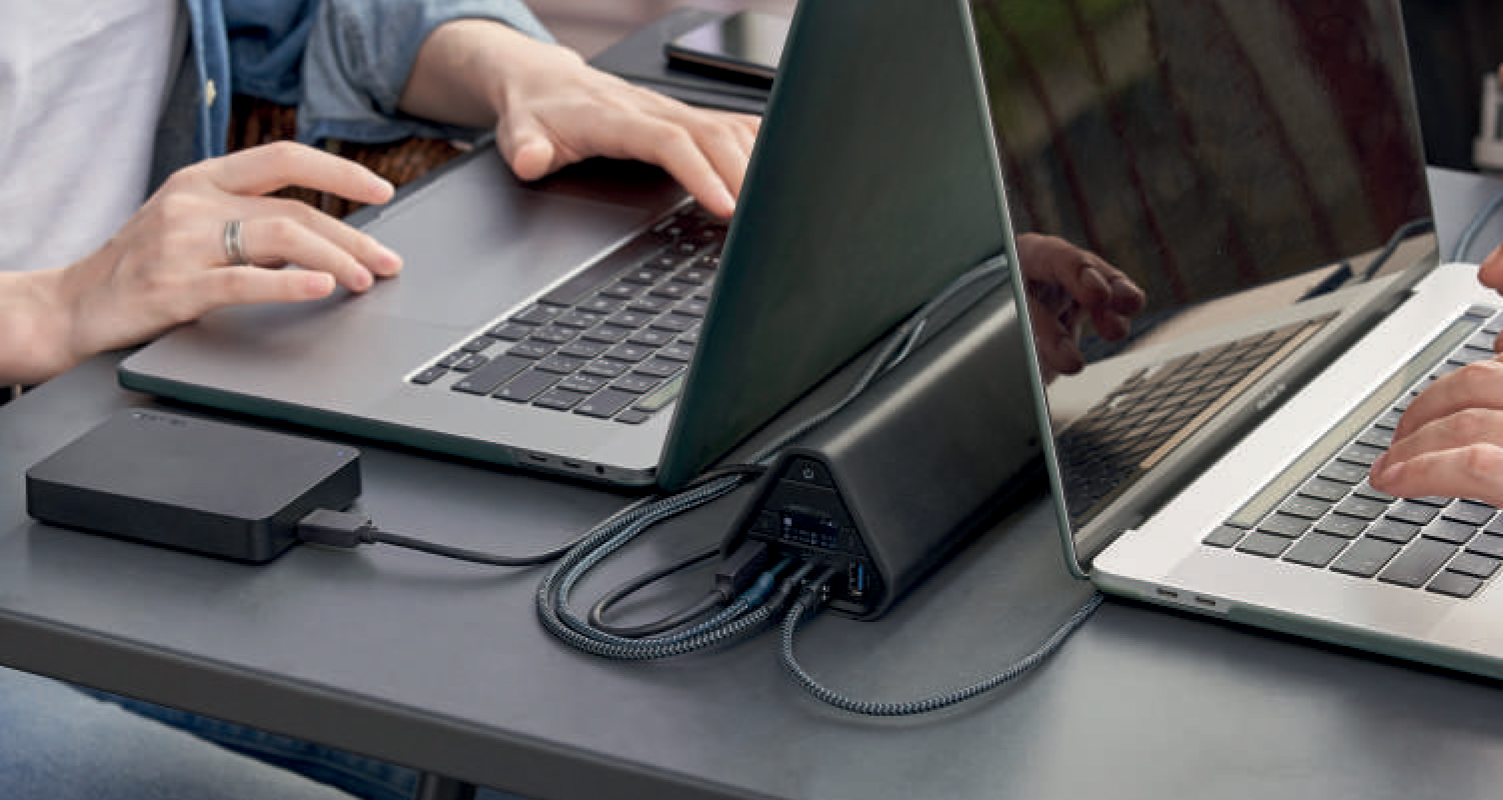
(479, 242)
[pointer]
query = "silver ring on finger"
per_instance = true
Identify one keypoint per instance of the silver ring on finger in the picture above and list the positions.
(234, 244)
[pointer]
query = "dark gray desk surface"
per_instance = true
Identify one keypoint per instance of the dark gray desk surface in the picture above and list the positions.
(443, 666)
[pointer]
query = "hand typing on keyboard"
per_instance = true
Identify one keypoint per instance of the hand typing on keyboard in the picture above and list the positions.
(1066, 287)
(551, 109)
(1450, 440)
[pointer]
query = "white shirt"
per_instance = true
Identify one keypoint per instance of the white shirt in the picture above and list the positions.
(82, 83)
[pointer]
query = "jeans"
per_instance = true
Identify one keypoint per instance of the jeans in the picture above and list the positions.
(61, 743)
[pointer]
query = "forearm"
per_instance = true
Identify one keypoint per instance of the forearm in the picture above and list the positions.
(458, 77)
(34, 329)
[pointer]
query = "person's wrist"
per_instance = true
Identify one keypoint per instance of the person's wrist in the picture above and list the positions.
(510, 64)
(35, 328)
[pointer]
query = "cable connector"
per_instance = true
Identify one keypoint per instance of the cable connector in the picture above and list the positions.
(336, 528)
(739, 571)
(814, 592)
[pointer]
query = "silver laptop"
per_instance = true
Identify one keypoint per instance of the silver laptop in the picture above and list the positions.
(597, 325)
(1256, 169)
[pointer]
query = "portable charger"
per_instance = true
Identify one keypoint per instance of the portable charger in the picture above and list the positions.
(193, 484)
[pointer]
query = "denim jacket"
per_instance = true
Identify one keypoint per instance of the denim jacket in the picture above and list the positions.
(343, 63)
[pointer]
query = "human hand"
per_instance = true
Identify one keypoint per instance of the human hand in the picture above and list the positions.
(551, 109)
(168, 264)
(1066, 286)
(1449, 443)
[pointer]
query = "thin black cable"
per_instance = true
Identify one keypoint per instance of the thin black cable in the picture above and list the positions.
(462, 554)
(710, 602)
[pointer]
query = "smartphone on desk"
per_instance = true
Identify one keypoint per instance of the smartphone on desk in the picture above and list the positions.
(743, 47)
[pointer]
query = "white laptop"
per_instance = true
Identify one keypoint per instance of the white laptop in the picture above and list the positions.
(1255, 167)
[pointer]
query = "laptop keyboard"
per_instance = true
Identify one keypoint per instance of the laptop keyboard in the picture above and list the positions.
(1122, 436)
(1334, 520)
(611, 342)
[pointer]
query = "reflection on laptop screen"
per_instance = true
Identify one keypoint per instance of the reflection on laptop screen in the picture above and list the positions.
(1253, 167)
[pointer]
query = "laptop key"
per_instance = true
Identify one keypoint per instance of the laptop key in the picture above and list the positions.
(1345, 527)
(659, 368)
(651, 337)
(1284, 525)
(630, 319)
(1224, 536)
(631, 416)
(1367, 492)
(1316, 550)
(1342, 472)
(606, 369)
(629, 352)
(511, 331)
(1455, 585)
(1475, 565)
(1392, 530)
(1470, 512)
(479, 344)
(1418, 563)
(470, 363)
(1416, 513)
(602, 304)
(693, 307)
(636, 384)
(1361, 508)
(583, 349)
(609, 334)
(487, 378)
(1264, 544)
(429, 375)
(1361, 454)
(540, 314)
(555, 335)
(1365, 557)
(562, 365)
(1450, 531)
(1322, 489)
(605, 404)
(1487, 544)
(662, 396)
(673, 290)
(648, 304)
(526, 386)
(579, 319)
(678, 323)
(1305, 507)
(559, 399)
(531, 349)
(676, 352)
(588, 384)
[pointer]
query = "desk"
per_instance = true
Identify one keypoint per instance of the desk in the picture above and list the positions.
(443, 666)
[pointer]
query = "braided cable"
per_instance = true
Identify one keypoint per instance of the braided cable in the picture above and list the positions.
(802, 607)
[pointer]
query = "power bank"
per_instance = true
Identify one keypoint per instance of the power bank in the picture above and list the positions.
(193, 484)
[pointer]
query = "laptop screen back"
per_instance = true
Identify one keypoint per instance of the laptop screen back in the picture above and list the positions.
(1246, 165)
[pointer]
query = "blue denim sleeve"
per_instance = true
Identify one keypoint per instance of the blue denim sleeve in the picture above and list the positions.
(359, 53)
(267, 39)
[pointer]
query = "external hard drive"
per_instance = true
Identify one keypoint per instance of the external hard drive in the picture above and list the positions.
(191, 483)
